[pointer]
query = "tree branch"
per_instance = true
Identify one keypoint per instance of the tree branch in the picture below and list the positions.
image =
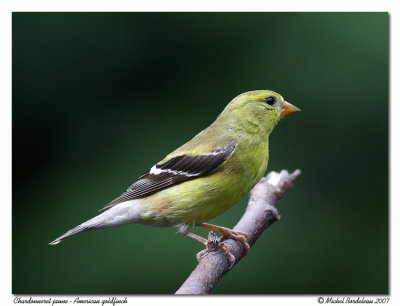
(259, 215)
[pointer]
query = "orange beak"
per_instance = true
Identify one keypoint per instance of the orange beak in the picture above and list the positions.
(288, 109)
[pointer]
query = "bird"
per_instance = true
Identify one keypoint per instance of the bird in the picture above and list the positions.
(204, 177)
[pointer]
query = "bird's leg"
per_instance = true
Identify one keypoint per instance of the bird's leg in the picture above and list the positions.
(230, 234)
(197, 237)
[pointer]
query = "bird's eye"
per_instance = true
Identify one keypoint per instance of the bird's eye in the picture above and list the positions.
(270, 100)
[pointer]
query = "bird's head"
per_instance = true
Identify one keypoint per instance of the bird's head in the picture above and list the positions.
(262, 108)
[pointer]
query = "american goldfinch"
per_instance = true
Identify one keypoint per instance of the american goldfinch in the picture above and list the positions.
(206, 176)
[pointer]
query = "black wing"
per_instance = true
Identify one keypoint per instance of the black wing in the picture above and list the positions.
(176, 170)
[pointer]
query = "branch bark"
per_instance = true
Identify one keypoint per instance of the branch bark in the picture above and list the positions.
(259, 215)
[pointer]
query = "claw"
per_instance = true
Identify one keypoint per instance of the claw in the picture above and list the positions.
(228, 254)
(201, 254)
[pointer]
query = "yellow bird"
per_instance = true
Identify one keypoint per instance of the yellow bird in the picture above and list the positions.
(204, 177)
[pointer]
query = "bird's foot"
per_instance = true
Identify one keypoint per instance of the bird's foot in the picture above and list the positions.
(238, 236)
(227, 249)
(212, 245)
(213, 242)
(230, 234)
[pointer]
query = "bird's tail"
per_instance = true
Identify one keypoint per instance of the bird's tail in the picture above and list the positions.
(71, 232)
(124, 213)
(94, 223)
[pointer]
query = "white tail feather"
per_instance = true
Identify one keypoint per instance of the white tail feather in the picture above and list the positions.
(124, 213)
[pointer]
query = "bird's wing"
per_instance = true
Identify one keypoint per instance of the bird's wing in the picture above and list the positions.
(174, 171)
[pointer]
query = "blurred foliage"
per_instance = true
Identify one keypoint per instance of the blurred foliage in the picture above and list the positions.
(98, 98)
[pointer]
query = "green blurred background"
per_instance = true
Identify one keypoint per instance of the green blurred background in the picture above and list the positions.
(98, 98)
